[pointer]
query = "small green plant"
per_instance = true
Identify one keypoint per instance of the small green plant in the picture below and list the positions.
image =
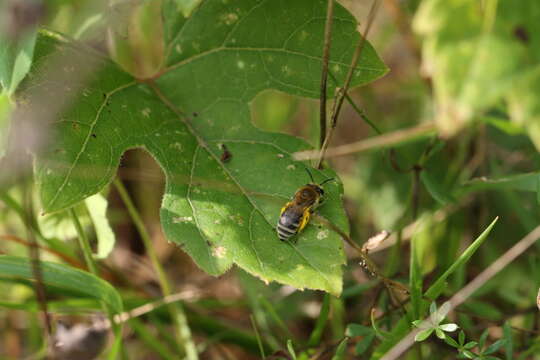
(465, 348)
(433, 324)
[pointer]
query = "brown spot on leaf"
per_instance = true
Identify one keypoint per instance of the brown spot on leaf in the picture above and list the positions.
(521, 34)
(226, 155)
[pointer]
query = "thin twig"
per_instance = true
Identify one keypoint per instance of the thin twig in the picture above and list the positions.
(324, 72)
(34, 254)
(356, 108)
(375, 142)
(365, 259)
(470, 288)
(340, 94)
(188, 295)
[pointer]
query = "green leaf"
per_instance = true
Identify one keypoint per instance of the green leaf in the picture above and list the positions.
(187, 6)
(511, 128)
(509, 345)
(435, 189)
(97, 208)
(415, 276)
(470, 345)
(290, 347)
(402, 327)
(220, 212)
(433, 307)
(316, 334)
(448, 327)
(364, 344)
(483, 338)
(461, 337)
(340, 351)
(469, 354)
(358, 330)
(476, 58)
(423, 335)
(15, 60)
(63, 277)
(450, 341)
(494, 347)
(435, 290)
(5, 112)
(439, 333)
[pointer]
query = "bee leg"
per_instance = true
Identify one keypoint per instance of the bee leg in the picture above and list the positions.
(305, 219)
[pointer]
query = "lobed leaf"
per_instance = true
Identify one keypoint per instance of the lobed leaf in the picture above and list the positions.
(221, 210)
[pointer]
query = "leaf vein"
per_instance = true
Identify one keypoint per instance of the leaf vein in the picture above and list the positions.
(85, 142)
(188, 197)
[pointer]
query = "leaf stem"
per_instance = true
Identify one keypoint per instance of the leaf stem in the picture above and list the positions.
(340, 95)
(356, 108)
(324, 72)
(176, 310)
(82, 239)
(365, 259)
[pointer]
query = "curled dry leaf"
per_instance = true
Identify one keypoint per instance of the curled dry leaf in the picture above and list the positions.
(374, 241)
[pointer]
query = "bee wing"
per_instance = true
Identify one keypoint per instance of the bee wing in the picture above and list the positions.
(291, 215)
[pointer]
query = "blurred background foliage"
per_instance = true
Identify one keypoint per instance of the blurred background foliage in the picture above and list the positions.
(470, 66)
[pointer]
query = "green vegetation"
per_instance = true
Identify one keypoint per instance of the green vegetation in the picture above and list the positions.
(147, 147)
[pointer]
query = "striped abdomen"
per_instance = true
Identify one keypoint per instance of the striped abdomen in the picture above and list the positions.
(289, 222)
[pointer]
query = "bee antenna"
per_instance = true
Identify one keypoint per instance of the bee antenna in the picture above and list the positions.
(325, 181)
(310, 176)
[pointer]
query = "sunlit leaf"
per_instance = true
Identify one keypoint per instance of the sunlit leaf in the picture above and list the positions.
(97, 208)
(423, 335)
(222, 212)
(15, 60)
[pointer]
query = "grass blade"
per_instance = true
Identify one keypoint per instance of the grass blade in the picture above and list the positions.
(316, 334)
(63, 277)
(435, 290)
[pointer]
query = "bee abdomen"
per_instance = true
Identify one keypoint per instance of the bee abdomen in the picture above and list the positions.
(286, 231)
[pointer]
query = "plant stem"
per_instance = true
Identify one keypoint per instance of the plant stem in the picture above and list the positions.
(258, 336)
(83, 243)
(315, 337)
(176, 310)
(34, 255)
(340, 94)
(324, 72)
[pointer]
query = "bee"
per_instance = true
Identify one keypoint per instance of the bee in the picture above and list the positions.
(295, 215)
